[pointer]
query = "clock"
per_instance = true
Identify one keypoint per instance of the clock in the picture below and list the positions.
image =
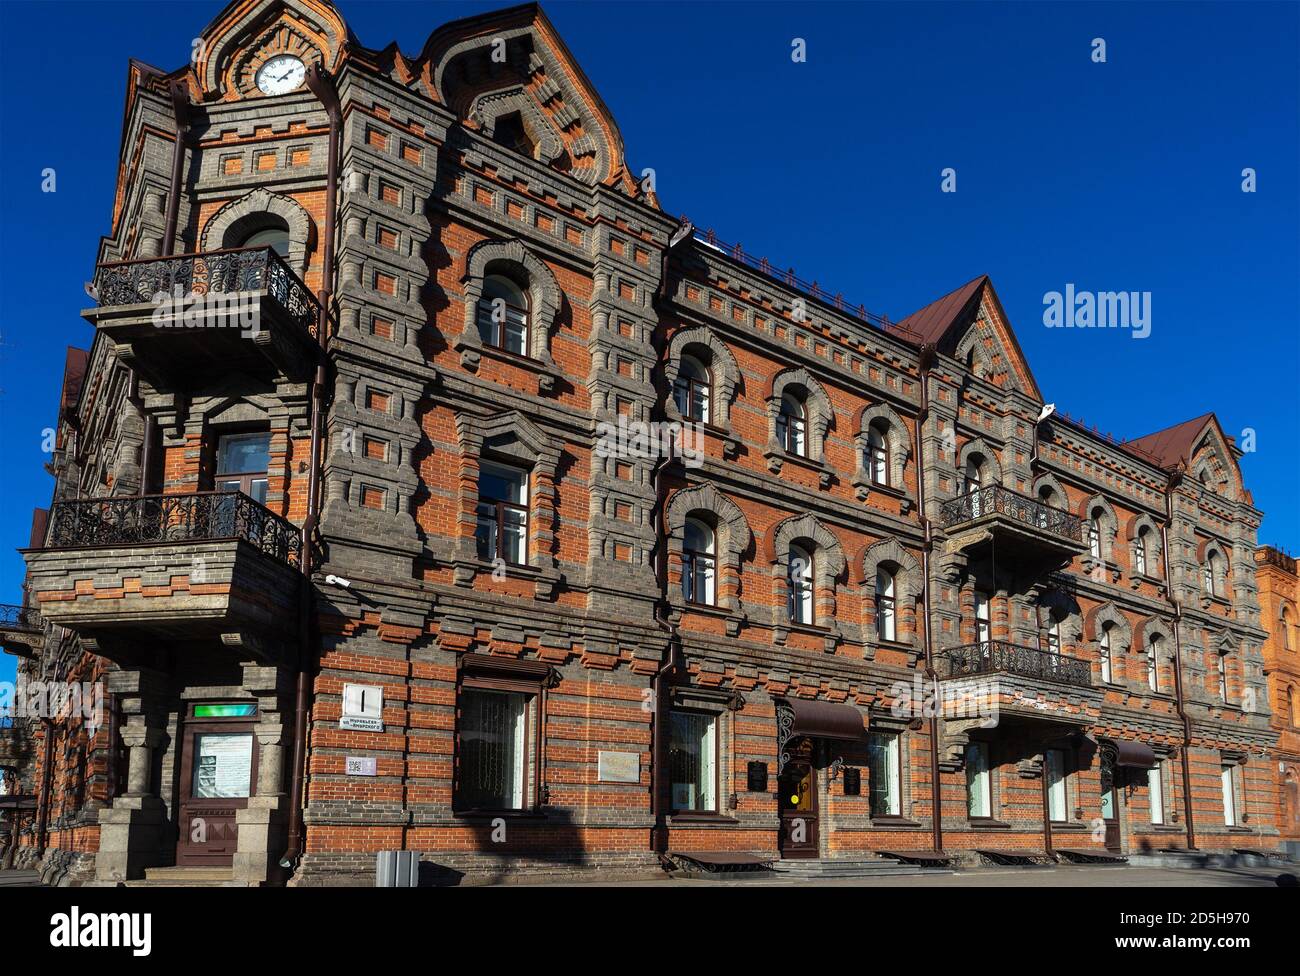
(280, 74)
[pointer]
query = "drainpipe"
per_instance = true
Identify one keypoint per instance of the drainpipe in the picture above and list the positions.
(659, 518)
(322, 86)
(1174, 478)
(1047, 811)
(927, 356)
(47, 788)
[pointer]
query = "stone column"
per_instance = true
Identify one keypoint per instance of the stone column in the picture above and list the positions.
(262, 824)
(133, 831)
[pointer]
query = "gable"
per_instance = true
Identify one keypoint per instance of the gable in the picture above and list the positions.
(249, 32)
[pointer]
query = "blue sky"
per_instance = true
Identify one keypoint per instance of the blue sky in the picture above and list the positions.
(1117, 176)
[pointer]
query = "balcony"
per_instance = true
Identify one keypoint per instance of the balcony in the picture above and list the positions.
(184, 319)
(1020, 681)
(1020, 526)
(171, 567)
(22, 631)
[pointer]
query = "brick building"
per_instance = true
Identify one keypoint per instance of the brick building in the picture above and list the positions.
(400, 565)
(1279, 600)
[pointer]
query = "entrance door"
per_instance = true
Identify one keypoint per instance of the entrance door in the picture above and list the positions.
(798, 804)
(1110, 804)
(218, 773)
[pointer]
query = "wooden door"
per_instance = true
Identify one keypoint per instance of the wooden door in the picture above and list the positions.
(218, 774)
(798, 804)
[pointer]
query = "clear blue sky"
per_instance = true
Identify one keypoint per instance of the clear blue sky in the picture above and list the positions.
(1117, 176)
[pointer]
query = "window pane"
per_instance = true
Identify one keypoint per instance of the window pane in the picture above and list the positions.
(979, 800)
(491, 742)
(223, 766)
(501, 484)
(485, 533)
(274, 237)
(243, 454)
(882, 764)
(1155, 790)
(692, 761)
(516, 333)
(1055, 760)
(1229, 800)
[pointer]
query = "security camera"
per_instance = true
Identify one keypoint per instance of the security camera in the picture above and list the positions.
(1047, 411)
(332, 580)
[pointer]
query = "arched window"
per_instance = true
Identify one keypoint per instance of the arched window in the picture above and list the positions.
(1140, 552)
(974, 480)
(800, 585)
(1153, 662)
(1293, 706)
(886, 609)
(277, 238)
(878, 453)
(503, 315)
(692, 390)
(1286, 629)
(1103, 651)
(1094, 533)
(792, 425)
(1212, 574)
(699, 563)
(983, 620)
(1053, 635)
(1223, 677)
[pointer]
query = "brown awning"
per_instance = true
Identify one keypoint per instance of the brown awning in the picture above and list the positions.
(826, 719)
(1135, 755)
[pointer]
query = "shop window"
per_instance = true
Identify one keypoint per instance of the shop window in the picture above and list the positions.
(883, 763)
(979, 792)
(693, 762)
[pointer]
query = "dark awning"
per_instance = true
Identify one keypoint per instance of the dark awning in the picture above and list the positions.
(1135, 755)
(826, 719)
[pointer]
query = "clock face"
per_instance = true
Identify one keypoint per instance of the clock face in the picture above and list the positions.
(282, 73)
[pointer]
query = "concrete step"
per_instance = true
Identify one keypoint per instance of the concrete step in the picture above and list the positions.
(187, 876)
(849, 868)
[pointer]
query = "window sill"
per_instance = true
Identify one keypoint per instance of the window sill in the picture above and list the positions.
(548, 373)
(701, 819)
(778, 456)
(500, 814)
(987, 823)
(894, 823)
(1069, 827)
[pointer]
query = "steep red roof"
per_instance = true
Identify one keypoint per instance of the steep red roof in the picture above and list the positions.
(1173, 444)
(931, 322)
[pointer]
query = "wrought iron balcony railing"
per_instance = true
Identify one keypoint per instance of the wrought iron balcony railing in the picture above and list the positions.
(248, 269)
(165, 519)
(997, 500)
(18, 617)
(990, 657)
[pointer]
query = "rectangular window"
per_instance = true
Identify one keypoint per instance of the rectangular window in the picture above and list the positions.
(1228, 780)
(693, 762)
(242, 463)
(883, 764)
(502, 531)
(490, 748)
(1156, 793)
(979, 796)
(983, 629)
(1055, 771)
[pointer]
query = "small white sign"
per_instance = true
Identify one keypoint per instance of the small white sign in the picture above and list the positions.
(618, 767)
(363, 708)
(361, 766)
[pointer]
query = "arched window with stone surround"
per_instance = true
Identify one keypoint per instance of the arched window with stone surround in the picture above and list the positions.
(693, 390)
(878, 453)
(1214, 571)
(792, 425)
(503, 314)
(1154, 644)
(261, 218)
(1104, 652)
(1140, 551)
(699, 562)
(1284, 620)
(708, 536)
(886, 605)
(275, 235)
(1100, 526)
(512, 300)
(801, 585)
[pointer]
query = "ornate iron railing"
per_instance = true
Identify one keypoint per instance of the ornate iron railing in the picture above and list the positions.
(996, 500)
(989, 657)
(202, 516)
(18, 617)
(248, 269)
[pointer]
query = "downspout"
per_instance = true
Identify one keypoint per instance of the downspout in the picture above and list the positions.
(322, 86)
(1047, 811)
(47, 787)
(659, 517)
(927, 356)
(1174, 478)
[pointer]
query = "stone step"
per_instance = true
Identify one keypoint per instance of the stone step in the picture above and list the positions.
(188, 875)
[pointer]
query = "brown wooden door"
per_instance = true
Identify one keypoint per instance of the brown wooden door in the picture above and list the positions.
(798, 805)
(218, 774)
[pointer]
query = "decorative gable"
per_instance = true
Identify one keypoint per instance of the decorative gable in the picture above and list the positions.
(247, 34)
